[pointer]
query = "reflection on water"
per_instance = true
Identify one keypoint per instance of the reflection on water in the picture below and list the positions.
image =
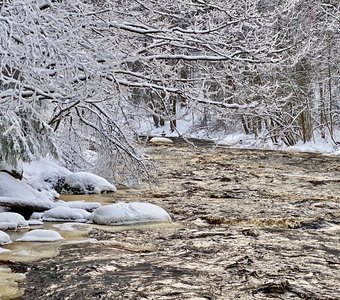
(104, 199)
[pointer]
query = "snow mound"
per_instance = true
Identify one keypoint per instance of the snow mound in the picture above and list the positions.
(4, 238)
(129, 213)
(160, 140)
(19, 192)
(45, 174)
(63, 213)
(86, 183)
(41, 235)
(10, 220)
(89, 206)
(37, 216)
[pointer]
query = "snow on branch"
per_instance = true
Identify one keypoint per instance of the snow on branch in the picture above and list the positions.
(229, 105)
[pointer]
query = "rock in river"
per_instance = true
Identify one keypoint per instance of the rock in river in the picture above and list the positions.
(129, 213)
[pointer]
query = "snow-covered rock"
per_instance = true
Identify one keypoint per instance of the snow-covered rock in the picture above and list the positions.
(64, 213)
(89, 206)
(20, 193)
(37, 216)
(10, 220)
(4, 238)
(86, 183)
(41, 235)
(160, 140)
(45, 175)
(129, 213)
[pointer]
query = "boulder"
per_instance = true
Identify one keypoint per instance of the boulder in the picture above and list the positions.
(161, 141)
(129, 213)
(86, 183)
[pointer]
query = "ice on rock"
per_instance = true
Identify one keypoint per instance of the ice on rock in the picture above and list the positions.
(129, 213)
(41, 235)
(64, 213)
(4, 238)
(10, 220)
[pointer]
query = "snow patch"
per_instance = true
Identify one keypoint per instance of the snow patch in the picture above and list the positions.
(86, 183)
(319, 145)
(37, 216)
(45, 175)
(89, 206)
(160, 140)
(19, 192)
(63, 213)
(129, 213)
(4, 238)
(10, 220)
(41, 235)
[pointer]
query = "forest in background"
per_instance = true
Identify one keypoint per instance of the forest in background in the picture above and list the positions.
(78, 77)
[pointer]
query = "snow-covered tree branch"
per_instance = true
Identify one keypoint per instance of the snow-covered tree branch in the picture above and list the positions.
(77, 75)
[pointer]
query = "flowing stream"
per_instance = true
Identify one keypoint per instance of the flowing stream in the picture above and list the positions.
(248, 224)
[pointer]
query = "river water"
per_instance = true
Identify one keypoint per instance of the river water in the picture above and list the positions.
(249, 224)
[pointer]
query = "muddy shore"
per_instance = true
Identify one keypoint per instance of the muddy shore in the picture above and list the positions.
(254, 225)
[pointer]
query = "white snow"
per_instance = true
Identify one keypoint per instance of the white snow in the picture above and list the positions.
(89, 206)
(41, 235)
(63, 213)
(235, 137)
(161, 140)
(10, 220)
(17, 191)
(4, 238)
(318, 145)
(129, 213)
(8, 225)
(44, 175)
(37, 216)
(88, 183)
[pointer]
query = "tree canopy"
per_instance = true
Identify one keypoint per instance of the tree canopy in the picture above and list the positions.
(79, 75)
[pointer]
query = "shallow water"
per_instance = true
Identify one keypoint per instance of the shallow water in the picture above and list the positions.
(11, 284)
(253, 225)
